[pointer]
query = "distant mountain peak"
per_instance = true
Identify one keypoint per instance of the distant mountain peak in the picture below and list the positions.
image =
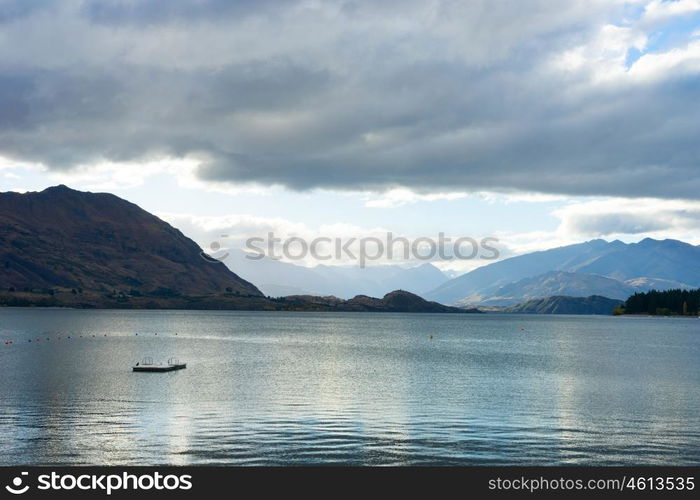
(60, 188)
(654, 241)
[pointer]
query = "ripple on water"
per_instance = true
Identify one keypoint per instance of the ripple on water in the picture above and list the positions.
(285, 389)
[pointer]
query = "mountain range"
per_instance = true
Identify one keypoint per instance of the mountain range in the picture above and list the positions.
(98, 250)
(595, 268)
(62, 247)
(611, 269)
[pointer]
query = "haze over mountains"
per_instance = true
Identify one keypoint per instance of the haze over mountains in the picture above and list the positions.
(277, 278)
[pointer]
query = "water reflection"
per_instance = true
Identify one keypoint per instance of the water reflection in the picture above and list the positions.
(273, 388)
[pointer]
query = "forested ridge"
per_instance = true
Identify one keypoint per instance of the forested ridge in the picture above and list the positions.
(666, 303)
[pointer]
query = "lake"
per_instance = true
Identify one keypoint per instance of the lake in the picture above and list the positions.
(273, 388)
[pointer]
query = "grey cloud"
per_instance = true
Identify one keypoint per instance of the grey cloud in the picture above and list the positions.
(12, 10)
(617, 223)
(644, 217)
(348, 95)
(115, 12)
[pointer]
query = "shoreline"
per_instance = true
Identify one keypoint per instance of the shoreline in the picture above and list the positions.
(396, 301)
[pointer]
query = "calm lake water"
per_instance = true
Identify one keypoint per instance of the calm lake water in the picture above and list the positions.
(348, 388)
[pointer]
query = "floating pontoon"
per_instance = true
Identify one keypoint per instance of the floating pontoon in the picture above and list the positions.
(147, 365)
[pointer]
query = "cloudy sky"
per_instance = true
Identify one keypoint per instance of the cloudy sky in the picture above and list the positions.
(539, 122)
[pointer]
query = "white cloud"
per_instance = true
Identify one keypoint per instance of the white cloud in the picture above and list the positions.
(676, 61)
(623, 218)
(401, 196)
(604, 59)
(604, 54)
(658, 10)
(109, 176)
(106, 175)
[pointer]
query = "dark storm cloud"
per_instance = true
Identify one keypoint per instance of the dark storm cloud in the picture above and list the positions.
(354, 95)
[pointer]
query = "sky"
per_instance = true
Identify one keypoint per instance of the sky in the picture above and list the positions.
(540, 123)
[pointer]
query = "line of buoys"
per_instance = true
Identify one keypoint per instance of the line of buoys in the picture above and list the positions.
(68, 337)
